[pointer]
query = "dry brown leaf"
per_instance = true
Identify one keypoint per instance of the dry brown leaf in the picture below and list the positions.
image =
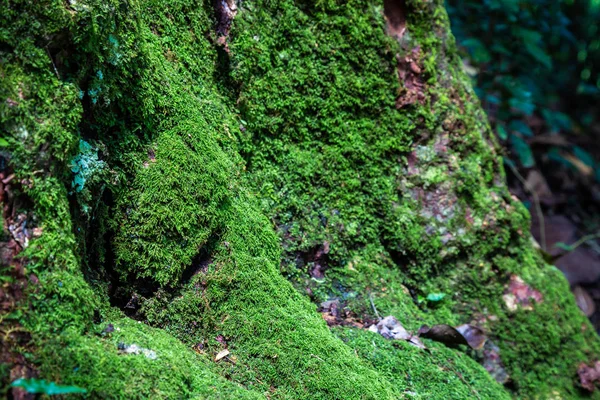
(444, 334)
(391, 328)
(415, 341)
(466, 334)
(473, 335)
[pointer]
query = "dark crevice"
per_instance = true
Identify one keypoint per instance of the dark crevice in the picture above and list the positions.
(201, 262)
(129, 293)
(317, 260)
(400, 258)
(63, 55)
(395, 17)
(224, 13)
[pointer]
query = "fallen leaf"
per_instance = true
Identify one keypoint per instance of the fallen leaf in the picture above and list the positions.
(473, 335)
(222, 354)
(444, 334)
(415, 341)
(391, 328)
(435, 297)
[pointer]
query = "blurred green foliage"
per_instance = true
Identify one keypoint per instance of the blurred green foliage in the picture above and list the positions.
(534, 65)
(42, 386)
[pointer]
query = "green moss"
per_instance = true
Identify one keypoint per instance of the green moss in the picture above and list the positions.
(200, 147)
(175, 204)
(162, 368)
(175, 190)
(561, 344)
(437, 372)
(413, 197)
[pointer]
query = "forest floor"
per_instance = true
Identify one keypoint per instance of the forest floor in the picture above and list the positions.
(563, 198)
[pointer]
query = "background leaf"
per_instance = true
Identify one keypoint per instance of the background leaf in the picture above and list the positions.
(44, 387)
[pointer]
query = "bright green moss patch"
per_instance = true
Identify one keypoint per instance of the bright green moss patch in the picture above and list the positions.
(172, 194)
(106, 365)
(437, 372)
(175, 204)
(551, 338)
(269, 328)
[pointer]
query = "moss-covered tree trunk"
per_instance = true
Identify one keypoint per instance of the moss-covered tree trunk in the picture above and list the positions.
(185, 184)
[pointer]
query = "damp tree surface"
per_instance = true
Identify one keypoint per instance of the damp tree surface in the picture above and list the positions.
(231, 200)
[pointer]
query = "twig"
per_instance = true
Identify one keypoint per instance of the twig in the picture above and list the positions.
(8, 179)
(536, 201)
(584, 239)
(373, 305)
(52, 61)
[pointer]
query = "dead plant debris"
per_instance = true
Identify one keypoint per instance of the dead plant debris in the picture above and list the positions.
(335, 314)
(493, 363)
(444, 334)
(468, 335)
(390, 328)
(589, 376)
(519, 294)
(409, 75)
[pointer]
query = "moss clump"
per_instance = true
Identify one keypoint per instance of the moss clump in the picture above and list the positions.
(162, 368)
(436, 373)
(409, 202)
(174, 205)
(182, 157)
(370, 202)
